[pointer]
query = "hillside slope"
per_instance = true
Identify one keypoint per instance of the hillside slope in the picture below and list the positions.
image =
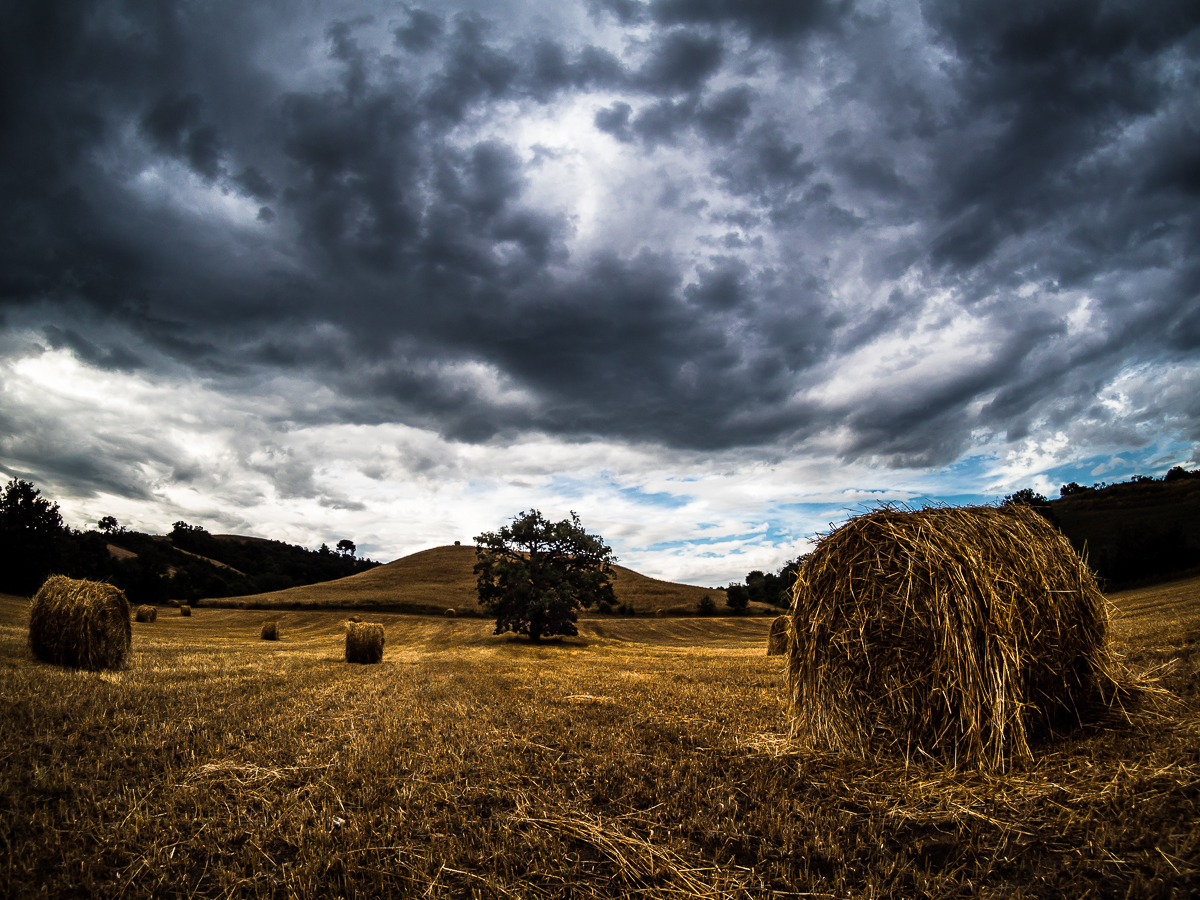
(431, 581)
(1135, 531)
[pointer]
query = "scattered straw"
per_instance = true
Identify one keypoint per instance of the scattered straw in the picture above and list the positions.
(84, 624)
(364, 642)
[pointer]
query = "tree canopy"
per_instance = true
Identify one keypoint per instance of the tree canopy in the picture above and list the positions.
(31, 534)
(534, 575)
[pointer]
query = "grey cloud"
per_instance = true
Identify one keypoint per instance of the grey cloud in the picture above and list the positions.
(420, 32)
(681, 61)
(396, 233)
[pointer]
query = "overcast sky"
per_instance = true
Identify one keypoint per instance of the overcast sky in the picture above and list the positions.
(712, 273)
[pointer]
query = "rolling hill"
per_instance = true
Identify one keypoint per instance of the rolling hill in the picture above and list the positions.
(433, 580)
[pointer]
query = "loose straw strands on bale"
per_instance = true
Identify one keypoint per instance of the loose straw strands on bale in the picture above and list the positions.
(956, 632)
(84, 624)
(364, 642)
(146, 614)
(777, 637)
(270, 631)
(185, 610)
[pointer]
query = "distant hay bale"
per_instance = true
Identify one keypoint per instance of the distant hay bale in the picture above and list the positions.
(777, 637)
(146, 613)
(450, 613)
(660, 613)
(354, 619)
(83, 624)
(959, 632)
(242, 604)
(185, 610)
(364, 642)
(270, 631)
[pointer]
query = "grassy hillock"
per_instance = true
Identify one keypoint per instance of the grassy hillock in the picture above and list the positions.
(431, 581)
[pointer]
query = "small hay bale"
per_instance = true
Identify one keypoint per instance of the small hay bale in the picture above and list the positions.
(185, 610)
(777, 637)
(270, 631)
(660, 613)
(144, 613)
(958, 632)
(83, 624)
(364, 642)
(450, 613)
(354, 619)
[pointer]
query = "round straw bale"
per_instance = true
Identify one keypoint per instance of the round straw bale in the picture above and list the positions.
(364, 642)
(777, 637)
(450, 613)
(660, 613)
(84, 624)
(961, 632)
(142, 613)
(270, 631)
(185, 610)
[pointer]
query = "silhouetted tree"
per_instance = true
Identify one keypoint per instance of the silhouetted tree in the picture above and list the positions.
(346, 547)
(31, 535)
(737, 597)
(108, 524)
(534, 575)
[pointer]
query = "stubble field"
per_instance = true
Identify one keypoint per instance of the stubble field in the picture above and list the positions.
(644, 758)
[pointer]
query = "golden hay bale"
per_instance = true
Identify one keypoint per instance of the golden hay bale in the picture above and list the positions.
(777, 637)
(660, 613)
(364, 642)
(270, 631)
(959, 632)
(185, 610)
(146, 613)
(450, 614)
(84, 624)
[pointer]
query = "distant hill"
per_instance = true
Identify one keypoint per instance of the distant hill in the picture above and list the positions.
(1138, 531)
(431, 581)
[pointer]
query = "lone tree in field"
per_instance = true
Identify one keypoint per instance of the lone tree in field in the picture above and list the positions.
(535, 574)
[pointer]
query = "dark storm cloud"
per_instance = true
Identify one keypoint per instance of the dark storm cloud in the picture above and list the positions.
(346, 198)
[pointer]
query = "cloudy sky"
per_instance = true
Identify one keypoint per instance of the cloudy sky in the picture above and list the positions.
(712, 273)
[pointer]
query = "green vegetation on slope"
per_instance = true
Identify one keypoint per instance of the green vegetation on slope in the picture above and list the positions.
(187, 565)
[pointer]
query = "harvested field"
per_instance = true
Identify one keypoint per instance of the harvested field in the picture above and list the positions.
(647, 757)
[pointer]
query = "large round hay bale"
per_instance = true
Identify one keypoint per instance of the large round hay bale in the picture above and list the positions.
(84, 624)
(777, 637)
(185, 610)
(960, 632)
(146, 613)
(364, 642)
(270, 631)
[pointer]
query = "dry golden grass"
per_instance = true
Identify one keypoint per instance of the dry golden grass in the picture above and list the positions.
(645, 758)
(427, 581)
